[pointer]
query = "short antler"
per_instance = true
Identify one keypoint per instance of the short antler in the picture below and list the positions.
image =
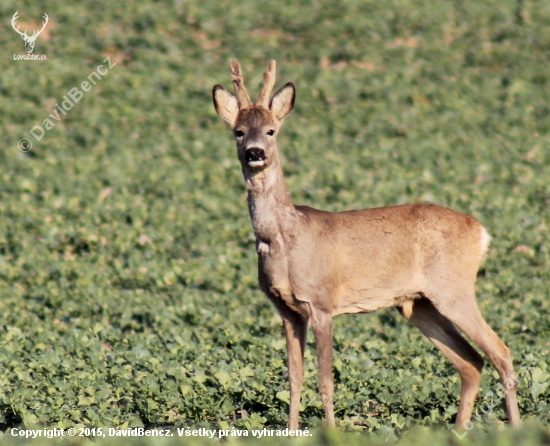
(238, 83)
(269, 83)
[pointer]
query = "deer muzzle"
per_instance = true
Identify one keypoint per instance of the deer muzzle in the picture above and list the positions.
(254, 157)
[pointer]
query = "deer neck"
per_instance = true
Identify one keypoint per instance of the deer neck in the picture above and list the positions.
(271, 209)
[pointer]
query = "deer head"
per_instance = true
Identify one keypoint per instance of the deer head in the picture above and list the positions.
(29, 40)
(255, 126)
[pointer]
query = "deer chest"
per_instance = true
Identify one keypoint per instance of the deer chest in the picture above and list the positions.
(274, 276)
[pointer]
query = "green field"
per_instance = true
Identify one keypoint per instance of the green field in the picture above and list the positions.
(128, 285)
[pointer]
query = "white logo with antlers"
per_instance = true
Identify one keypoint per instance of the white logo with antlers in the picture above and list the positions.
(29, 40)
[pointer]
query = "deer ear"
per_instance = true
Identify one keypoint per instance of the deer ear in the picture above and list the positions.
(226, 104)
(283, 101)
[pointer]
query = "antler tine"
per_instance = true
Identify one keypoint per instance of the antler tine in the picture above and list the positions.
(269, 83)
(46, 22)
(36, 32)
(238, 83)
(13, 23)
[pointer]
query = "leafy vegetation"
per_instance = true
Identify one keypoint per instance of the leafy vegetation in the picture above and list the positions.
(128, 272)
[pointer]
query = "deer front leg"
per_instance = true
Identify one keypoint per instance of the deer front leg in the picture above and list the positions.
(295, 333)
(322, 329)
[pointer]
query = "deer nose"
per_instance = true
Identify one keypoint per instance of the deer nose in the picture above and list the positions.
(255, 157)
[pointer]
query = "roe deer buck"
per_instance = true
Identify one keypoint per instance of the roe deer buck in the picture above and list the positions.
(314, 265)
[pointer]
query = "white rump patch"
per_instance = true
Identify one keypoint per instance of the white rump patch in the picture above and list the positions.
(484, 241)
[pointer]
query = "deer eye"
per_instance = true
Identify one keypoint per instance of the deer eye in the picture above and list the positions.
(271, 132)
(239, 133)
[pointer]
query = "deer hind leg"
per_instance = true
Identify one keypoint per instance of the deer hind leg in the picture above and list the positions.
(443, 334)
(465, 314)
